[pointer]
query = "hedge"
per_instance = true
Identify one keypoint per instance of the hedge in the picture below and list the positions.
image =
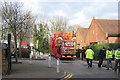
(97, 47)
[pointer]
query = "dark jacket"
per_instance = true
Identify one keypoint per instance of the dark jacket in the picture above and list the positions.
(101, 54)
(59, 50)
(83, 51)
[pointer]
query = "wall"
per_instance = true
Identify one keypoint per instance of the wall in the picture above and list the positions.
(80, 40)
(114, 39)
(95, 34)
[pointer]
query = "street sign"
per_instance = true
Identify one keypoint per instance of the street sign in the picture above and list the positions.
(37, 41)
(31, 44)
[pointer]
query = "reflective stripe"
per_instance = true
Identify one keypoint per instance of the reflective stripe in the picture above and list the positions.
(118, 53)
(109, 54)
(89, 54)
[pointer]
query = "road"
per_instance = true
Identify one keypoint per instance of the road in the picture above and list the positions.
(78, 69)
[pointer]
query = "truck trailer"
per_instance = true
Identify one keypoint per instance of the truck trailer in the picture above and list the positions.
(63, 44)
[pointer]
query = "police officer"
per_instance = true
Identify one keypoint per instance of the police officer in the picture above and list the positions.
(89, 56)
(101, 56)
(109, 56)
(117, 58)
(83, 53)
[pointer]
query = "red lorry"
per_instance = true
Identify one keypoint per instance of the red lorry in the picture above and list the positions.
(63, 44)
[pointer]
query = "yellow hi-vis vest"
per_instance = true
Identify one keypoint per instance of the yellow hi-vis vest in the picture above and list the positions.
(89, 54)
(117, 54)
(109, 54)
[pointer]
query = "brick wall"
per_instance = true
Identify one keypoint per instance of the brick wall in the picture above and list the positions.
(114, 40)
(95, 34)
(80, 40)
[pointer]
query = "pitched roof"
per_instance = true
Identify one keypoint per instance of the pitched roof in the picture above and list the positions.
(83, 31)
(109, 26)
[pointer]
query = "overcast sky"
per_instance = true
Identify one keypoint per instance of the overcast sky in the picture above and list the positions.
(78, 12)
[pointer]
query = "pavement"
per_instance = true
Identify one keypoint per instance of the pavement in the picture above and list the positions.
(33, 71)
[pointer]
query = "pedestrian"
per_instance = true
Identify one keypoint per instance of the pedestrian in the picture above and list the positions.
(83, 53)
(109, 56)
(117, 58)
(101, 56)
(89, 56)
(59, 49)
(36, 54)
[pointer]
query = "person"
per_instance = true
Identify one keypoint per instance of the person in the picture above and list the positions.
(31, 54)
(101, 56)
(89, 56)
(117, 58)
(83, 53)
(109, 56)
(36, 54)
(59, 49)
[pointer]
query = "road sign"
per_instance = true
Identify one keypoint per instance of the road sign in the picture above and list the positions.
(31, 44)
(37, 41)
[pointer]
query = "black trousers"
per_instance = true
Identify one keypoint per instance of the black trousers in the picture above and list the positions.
(82, 56)
(100, 62)
(116, 65)
(89, 62)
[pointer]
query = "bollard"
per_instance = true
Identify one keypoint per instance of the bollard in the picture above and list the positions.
(31, 57)
(36, 54)
(41, 55)
(49, 61)
(58, 65)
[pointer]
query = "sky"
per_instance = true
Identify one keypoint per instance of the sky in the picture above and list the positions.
(78, 12)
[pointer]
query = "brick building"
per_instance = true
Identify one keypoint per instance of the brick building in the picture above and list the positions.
(81, 34)
(100, 31)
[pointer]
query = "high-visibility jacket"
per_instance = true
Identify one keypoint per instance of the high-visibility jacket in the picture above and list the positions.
(109, 54)
(117, 54)
(89, 54)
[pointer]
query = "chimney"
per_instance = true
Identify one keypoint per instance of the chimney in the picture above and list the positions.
(93, 17)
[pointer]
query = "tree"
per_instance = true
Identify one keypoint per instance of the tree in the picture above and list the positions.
(26, 23)
(41, 33)
(72, 28)
(58, 24)
(10, 12)
(18, 22)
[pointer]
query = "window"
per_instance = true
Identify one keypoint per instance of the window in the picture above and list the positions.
(81, 40)
(78, 45)
(93, 31)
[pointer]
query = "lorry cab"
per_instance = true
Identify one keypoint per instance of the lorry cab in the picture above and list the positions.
(63, 44)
